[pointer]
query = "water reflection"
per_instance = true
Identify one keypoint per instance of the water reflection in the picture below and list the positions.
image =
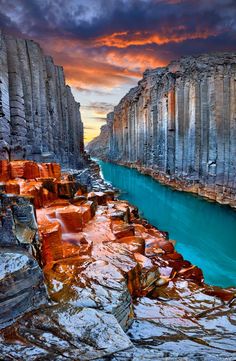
(205, 232)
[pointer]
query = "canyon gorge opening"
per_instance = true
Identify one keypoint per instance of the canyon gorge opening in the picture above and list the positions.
(84, 275)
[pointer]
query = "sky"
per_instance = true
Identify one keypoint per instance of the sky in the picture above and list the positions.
(105, 45)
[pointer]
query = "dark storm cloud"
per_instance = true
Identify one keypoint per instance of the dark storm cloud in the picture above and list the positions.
(92, 19)
(107, 44)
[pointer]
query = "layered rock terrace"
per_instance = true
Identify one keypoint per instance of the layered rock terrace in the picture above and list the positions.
(120, 291)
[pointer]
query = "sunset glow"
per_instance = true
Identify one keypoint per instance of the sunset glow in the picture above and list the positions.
(104, 47)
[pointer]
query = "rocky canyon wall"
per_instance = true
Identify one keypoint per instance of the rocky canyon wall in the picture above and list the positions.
(100, 146)
(39, 118)
(180, 123)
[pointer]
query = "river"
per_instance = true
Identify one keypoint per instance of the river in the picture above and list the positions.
(205, 232)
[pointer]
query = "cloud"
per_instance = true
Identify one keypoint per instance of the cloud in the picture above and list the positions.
(88, 90)
(105, 46)
(176, 35)
(100, 107)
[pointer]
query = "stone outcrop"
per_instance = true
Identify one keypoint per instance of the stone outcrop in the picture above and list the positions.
(118, 289)
(39, 118)
(21, 284)
(64, 332)
(179, 125)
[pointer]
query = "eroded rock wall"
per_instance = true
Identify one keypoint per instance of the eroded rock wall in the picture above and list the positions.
(100, 146)
(39, 118)
(180, 122)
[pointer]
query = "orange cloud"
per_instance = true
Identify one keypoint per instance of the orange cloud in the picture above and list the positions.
(118, 58)
(126, 39)
(86, 66)
(114, 60)
(136, 60)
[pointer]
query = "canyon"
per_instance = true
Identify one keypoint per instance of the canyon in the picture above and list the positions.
(179, 126)
(82, 275)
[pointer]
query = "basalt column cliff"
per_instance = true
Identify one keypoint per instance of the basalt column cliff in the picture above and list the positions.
(39, 118)
(179, 125)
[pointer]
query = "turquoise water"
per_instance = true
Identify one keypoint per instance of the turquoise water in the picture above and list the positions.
(205, 232)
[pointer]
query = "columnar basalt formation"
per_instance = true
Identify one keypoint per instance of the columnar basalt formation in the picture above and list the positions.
(179, 125)
(99, 146)
(39, 118)
(117, 288)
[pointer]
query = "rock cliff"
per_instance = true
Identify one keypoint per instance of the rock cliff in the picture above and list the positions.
(179, 125)
(99, 146)
(39, 118)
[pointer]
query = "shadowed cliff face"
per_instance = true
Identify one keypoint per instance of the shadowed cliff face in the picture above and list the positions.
(180, 123)
(39, 118)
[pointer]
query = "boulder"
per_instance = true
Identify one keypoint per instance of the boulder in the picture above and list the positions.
(64, 332)
(21, 285)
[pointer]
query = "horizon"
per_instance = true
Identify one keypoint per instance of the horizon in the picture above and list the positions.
(104, 53)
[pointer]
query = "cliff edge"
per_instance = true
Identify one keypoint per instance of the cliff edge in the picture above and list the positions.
(39, 118)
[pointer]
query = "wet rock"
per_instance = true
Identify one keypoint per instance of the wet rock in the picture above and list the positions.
(99, 261)
(149, 274)
(66, 189)
(135, 244)
(4, 170)
(166, 246)
(96, 284)
(12, 187)
(169, 330)
(25, 223)
(117, 215)
(110, 194)
(21, 285)
(18, 224)
(120, 256)
(70, 217)
(64, 332)
(50, 170)
(78, 199)
(152, 247)
(122, 207)
(100, 198)
(121, 229)
(24, 169)
(52, 246)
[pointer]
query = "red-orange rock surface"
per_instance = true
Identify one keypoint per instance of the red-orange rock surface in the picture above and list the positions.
(24, 169)
(50, 170)
(4, 170)
(97, 253)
